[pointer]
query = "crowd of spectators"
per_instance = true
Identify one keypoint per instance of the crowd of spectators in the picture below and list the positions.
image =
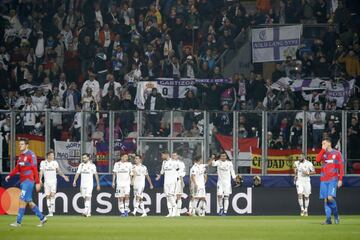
(89, 55)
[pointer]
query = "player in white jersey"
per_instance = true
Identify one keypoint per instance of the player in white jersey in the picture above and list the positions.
(169, 169)
(87, 170)
(303, 169)
(198, 179)
(139, 173)
(179, 189)
(49, 168)
(225, 171)
(122, 174)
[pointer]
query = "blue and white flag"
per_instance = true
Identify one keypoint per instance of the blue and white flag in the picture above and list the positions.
(275, 43)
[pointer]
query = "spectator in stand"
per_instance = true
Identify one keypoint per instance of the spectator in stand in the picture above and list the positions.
(353, 135)
(71, 97)
(153, 104)
(317, 121)
(351, 62)
(87, 53)
(110, 101)
(224, 121)
(296, 137)
(111, 83)
(29, 116)
(93, 84)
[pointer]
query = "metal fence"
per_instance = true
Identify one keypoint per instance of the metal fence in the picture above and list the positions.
(257, 142)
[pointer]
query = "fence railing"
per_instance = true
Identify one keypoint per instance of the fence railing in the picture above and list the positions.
(258, 142)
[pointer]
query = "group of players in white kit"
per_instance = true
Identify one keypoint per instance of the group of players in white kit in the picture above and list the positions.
(126, 174)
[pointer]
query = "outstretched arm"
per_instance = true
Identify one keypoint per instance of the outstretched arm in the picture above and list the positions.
(149, 181)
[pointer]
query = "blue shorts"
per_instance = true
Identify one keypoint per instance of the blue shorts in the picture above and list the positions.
(26, 191)
(328, 189)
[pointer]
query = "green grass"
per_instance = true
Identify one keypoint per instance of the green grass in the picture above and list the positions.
(219, 228)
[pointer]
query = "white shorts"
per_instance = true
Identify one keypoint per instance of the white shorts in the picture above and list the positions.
(179, 187)
(86, 191)
(139, 190)
(200, 192)
(303, 188)
(49, 188)
(122, 191)
(169, 189)
(224, 189)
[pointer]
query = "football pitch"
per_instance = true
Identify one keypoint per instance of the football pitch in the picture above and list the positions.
(209, 227)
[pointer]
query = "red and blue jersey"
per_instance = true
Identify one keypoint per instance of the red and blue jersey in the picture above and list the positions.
(332, 167)
(26, 165)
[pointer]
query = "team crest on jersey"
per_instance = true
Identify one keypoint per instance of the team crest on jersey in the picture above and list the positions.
(25, 158)
(334, 156)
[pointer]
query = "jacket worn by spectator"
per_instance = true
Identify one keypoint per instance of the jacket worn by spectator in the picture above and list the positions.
(160, 103)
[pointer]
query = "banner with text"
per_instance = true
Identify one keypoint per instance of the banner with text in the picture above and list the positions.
(171, 88)
(68, 154)
(275, 43)
(281, 161)
(339, 91)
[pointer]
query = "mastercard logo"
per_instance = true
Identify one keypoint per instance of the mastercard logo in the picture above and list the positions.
(9, 200)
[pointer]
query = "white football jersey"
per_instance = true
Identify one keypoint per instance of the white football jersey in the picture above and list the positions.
(181, 171)
(123, 173)
(87, 171)
(199, 171)
(49, 169)
(139, 171)
(170, 170)
(303, 168)
(225, 171)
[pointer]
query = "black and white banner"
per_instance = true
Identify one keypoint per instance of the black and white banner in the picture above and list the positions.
(171, 88)
(340, 91)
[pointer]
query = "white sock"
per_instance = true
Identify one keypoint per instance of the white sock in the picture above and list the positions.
(127, 204)
(121, 206)
(220, 203)
(52, 204)
(168, 202)
(226, 204)
(179, 204)
(191, 205)
(136, 206)
(307, 200)
(48, 203)
(301, 203)
(142, 207)
(202, 204)
(196, 201)
(87, 206)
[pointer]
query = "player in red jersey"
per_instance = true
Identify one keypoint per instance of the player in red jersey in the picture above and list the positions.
(27, 167)
(332, 172)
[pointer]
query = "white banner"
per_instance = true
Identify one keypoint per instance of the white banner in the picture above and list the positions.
(299, 84)
(67, 154)
(340, 92)
(275, 43)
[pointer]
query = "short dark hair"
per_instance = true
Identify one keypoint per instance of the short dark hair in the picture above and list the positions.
(25, 140)
(197, 158)
(327, 139)
(86, 154)
(50, 152)
(165, 152)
